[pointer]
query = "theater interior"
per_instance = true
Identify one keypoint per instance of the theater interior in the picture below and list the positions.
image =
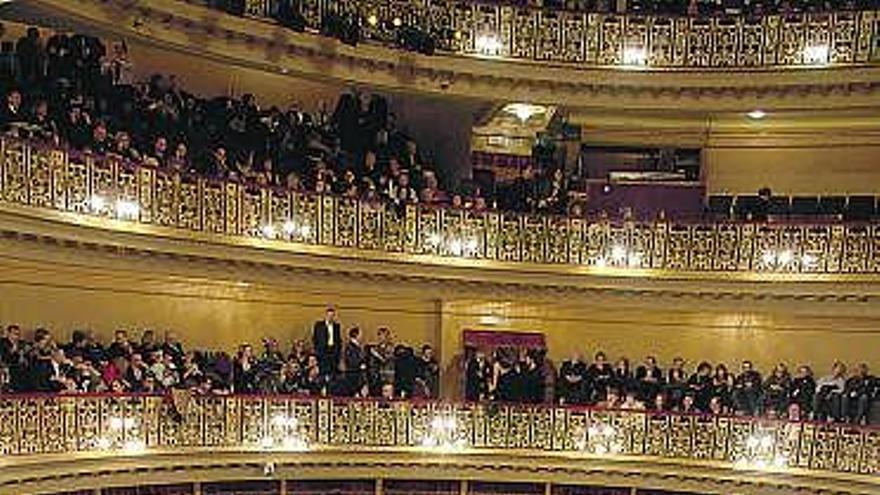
(439, 247)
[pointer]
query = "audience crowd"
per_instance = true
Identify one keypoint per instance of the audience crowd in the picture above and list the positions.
(337, 364)
(71, 91)
(508, 375)
(84, 364)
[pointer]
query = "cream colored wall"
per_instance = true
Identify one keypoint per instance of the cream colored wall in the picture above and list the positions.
(221, 304)
(219, 312)
(813, 170)
(719, 332)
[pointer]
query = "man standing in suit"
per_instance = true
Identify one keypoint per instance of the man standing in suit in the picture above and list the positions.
(326, 341)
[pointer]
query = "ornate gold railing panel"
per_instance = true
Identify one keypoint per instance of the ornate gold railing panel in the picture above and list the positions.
(526, 33)
(66, 424)
(49, 178)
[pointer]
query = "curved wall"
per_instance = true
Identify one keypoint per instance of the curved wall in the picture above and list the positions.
(97, 275)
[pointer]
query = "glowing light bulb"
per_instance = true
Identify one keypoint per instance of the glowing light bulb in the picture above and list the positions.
(127, 209)
(785, 257)
(488, 44)
(618, 253)
(635, 56)
(756, 114)
(97, 203)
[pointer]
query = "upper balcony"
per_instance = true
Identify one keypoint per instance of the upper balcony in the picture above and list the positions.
(526, 54)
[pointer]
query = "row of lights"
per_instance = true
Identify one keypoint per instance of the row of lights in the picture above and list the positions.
(444, 435)
(457, 246)
(288, 229)
(786, 258)
(490, 45)
(618, 255)
(122, 209)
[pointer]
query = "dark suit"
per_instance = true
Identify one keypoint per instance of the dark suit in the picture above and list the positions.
(327, 349)
(44, 376)
(355, 367)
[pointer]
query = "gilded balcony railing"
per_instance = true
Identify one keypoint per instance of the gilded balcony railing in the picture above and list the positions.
(64, 424)
(608, 40)
(50, 178)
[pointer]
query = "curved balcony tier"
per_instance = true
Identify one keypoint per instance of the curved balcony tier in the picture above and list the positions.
(93, 441)
(588, 60)
(113, 195)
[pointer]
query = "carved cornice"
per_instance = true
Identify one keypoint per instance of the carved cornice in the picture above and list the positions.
(444, 276)
(54, 473)
(177, 25)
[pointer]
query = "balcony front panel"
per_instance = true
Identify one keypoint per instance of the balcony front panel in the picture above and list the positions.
(477, 29)
(127, 425)
(125, 194)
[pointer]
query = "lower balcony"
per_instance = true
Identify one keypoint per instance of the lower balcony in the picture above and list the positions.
(52, 444)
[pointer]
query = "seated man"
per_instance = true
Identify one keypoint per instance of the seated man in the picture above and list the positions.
(828, 401)
(859, 392)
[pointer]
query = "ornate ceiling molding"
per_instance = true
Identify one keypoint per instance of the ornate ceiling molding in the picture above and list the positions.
(177, 25)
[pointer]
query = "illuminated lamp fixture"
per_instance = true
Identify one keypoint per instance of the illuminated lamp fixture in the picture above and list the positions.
(289, 228)
(619, 253)
(269, 231)
(456, 247)
(756, 114)
(808, 260)
(373, 20)
(488, 44)
(127, 209)
(284, 433)
(785, 257)
(635, 56)
(442, 434)
(780, 259)
(97, 203)
(397, 22)
(759, 452)
(121, 434)
(524, 111)
(599, 439)
(817, 54)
